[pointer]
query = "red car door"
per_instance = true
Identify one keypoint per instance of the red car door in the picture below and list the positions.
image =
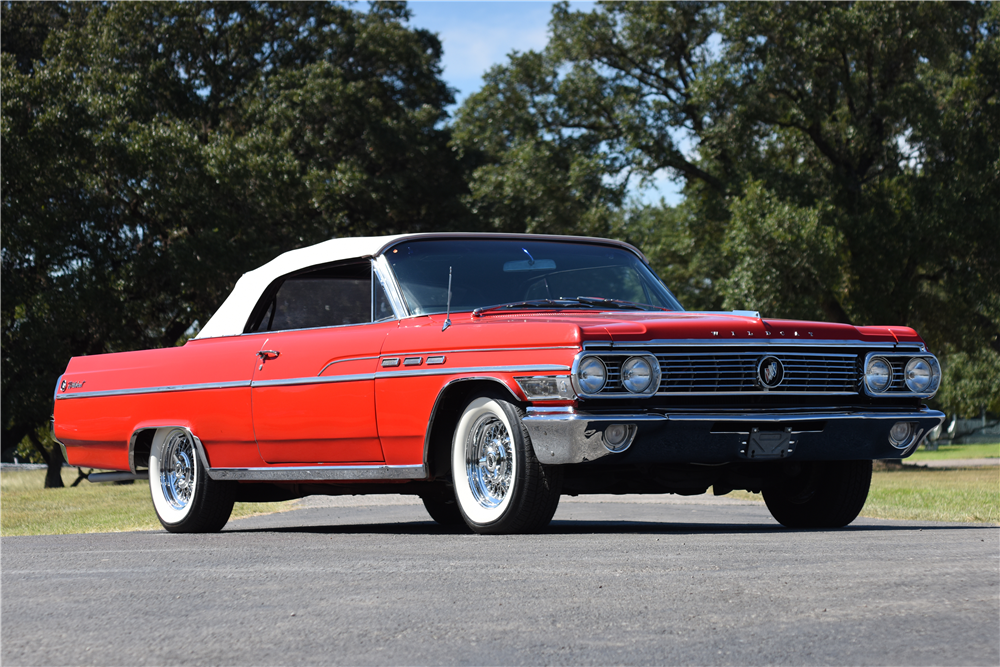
(313, 386)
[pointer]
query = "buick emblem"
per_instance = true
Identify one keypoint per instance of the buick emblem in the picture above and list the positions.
(770, 372)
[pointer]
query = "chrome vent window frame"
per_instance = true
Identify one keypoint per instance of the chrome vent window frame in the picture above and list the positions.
(613, 370)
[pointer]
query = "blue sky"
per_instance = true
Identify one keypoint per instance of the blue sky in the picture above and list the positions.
(478, 35)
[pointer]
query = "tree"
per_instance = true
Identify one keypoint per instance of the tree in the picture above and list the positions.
(838, 160)
(153, 152)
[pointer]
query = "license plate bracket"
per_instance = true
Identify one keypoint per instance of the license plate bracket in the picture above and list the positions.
(762, 444)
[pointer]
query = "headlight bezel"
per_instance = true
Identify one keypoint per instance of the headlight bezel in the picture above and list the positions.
(609, 359)
(898, 385)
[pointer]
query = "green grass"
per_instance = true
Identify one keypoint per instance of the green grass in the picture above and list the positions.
(985, 451)
(28, 509)
(930, 494)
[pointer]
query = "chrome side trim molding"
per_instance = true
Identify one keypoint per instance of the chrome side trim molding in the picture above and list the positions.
(344, 473)
(313, 380)
(340, 361)
(538, 368)
(155, 390)
(481, 349)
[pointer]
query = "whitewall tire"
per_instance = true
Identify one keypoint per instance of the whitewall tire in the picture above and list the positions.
(500, 486)
(185, 498)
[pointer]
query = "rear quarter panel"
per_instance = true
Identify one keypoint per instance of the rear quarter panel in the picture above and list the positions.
(107, 397)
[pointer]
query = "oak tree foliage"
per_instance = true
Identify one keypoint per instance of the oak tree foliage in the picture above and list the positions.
(838, 160)
(153, 152)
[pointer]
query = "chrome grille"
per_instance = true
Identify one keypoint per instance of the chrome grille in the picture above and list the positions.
(713, 373)
(694, 373)
(898, 365)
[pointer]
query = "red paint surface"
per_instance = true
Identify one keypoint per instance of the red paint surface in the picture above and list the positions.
(363, 420)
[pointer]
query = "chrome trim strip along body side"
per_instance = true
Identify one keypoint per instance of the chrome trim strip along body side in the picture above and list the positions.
(320, 473)
(539, 368)
(492, 349)
(313, 380)
(156, 390)
(340, 361)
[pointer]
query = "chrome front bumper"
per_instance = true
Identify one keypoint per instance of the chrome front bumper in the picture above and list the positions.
(562, 435)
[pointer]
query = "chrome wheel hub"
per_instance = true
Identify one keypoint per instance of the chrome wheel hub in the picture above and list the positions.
(489, 461)
(177, 470)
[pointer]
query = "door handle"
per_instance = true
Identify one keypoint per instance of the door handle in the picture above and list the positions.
(268, 354)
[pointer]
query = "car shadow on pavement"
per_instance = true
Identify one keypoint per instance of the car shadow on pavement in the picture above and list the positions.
(601, 527)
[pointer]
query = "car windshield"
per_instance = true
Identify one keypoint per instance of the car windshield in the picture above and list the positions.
(493, 272)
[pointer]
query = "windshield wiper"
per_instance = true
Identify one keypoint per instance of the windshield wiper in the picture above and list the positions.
(618, 303)
(578, 302)
(534, 303)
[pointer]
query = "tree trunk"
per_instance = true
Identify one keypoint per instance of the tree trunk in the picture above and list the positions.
(54, 460)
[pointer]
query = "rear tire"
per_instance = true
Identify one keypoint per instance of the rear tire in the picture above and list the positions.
(500, 486)
(827, 494)
(185, 498)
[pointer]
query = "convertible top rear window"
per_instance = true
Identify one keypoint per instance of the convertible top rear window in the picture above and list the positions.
(493, 271)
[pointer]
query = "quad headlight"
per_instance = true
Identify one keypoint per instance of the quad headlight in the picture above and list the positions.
(922, 375)
(902, 374)
(592, 375)
(615, 374)
(878, 374)
(637, 374)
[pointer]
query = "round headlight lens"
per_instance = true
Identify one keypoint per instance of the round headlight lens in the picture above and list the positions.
(918, 375)
(592, 375)
(637, 374)
(878, 374)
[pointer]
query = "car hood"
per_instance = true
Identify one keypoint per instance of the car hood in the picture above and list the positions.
(621, 327)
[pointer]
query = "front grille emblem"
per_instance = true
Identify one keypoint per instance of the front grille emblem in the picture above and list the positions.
(770, 372)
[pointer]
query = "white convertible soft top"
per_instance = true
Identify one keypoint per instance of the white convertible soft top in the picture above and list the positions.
(234, 312)
(232, 316)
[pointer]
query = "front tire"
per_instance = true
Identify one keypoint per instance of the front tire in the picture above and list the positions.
(185, 498)
(443, 508)
(500, 486)
(828, 494)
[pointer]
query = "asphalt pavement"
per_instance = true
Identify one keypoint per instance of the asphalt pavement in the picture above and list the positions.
(623, 580)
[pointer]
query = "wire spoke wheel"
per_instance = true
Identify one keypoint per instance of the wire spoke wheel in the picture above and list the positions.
(177, 471)
(499, 485)
(489, 461)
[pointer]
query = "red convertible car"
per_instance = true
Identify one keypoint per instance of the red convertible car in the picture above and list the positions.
(488, 374)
